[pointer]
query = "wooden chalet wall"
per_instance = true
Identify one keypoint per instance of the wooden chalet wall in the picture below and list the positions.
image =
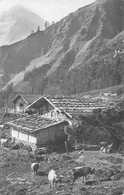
(19, 105)
(48, 110)
(23, 136)
(51, 135)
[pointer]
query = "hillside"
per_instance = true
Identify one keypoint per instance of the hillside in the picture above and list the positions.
(82, 52)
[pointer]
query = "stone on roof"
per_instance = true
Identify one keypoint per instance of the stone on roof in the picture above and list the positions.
(75, 106)
(34, 123)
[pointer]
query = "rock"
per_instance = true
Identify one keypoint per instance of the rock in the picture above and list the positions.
(80, 159)
(83, 191)
(66, 157)
(21, 191)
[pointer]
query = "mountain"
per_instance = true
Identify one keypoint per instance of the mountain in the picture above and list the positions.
(82, 52)
(18, 23)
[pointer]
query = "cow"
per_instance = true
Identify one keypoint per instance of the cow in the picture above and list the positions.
(53, 178)
(82, 172)
(35, 167)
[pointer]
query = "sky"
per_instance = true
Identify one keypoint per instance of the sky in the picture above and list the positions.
(51, 10)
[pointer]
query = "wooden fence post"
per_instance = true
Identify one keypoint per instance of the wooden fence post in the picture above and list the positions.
(66, 147)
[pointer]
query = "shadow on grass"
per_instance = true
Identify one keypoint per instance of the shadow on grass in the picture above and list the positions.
(42, 173)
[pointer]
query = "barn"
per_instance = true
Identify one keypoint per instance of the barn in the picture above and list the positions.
(46, 107)
(61, 108)
(38, 130)
(66, 107)
(21, 101)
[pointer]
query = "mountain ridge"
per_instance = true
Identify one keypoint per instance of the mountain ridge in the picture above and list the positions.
(17, 23)
(76, 54)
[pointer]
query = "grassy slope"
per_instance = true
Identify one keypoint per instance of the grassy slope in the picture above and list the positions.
(16, 175)
(78, 52)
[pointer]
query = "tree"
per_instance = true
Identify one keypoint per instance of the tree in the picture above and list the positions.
(38, 28)
(46, 24)
(75, 131)
(53, 22)
(78, 126)
(68, 131)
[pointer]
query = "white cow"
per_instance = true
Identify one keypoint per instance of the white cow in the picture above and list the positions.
(53, 178)
(3, 142)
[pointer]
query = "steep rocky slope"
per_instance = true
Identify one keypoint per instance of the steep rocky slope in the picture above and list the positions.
(82, 52)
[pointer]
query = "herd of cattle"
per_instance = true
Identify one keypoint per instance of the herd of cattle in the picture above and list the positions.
(53, 178)
(82, 171)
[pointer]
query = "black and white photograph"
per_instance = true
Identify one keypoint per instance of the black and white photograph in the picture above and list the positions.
(62, 97)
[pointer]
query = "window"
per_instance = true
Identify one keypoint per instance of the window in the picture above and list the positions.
(21, 104)
(41, 111)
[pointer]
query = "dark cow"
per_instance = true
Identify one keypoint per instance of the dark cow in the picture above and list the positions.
(82, 172)
(35, 167)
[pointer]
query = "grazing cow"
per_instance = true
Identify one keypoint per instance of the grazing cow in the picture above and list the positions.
(82, 172)
(3, 142)
(35, 167)
(106, 149)
(53, 178)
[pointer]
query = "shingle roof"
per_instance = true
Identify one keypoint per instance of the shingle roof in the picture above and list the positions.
(75, 106)
(34, 123)
(30, 98)
(120, 105)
